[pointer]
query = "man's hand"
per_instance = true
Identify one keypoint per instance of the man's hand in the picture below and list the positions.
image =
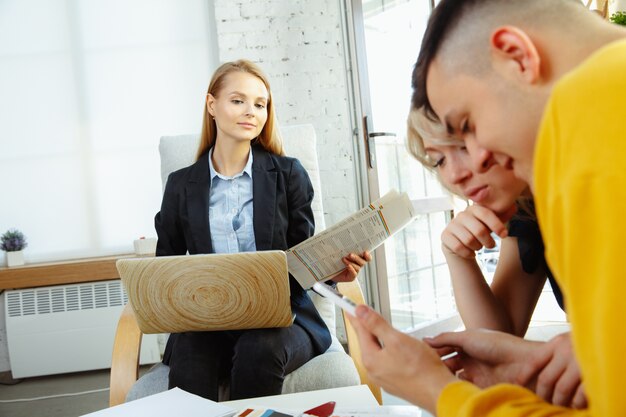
(488, 357)
(559, 379)
(353, 263)
(401, 364)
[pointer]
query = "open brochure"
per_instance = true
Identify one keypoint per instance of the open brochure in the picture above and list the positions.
(319, 257)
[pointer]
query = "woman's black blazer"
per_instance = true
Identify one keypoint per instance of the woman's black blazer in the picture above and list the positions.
(282, 216)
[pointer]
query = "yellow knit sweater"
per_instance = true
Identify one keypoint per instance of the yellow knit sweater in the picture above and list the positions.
(580, 196)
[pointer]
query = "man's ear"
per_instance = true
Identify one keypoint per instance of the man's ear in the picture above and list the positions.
(514, 55)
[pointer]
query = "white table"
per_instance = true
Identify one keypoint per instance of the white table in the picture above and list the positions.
(350, 401)
(345, 397)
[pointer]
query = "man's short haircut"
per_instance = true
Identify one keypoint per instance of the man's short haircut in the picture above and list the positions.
(462, 43)
(443, 18)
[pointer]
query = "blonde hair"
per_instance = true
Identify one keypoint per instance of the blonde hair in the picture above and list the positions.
(420, 127)
(269, 138)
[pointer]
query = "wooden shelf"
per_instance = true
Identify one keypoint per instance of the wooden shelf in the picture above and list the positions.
(57, 273)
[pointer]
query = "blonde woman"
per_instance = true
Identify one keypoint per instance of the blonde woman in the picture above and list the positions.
(241, 195)
(508, 303)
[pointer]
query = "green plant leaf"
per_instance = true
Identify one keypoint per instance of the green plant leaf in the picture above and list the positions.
(618, 18)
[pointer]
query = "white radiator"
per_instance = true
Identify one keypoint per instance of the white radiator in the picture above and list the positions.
(66, 328)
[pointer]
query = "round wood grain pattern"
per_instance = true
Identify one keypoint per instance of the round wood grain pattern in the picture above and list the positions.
(208, 292)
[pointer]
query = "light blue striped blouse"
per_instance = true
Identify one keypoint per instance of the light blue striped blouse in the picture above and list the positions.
(230, 210)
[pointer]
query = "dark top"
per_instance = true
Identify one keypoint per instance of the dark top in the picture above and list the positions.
(282, 217)
(531, 249)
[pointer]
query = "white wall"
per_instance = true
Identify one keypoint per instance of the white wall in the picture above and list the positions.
(86, 89)
(298, 43)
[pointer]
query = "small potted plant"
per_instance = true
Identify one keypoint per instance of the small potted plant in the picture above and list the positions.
(12, 242)
(618, 18)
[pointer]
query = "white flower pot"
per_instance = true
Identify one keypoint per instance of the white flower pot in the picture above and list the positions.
(15, 258)
(145, 246)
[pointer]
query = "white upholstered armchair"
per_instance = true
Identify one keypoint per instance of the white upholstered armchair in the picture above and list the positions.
(332, 369)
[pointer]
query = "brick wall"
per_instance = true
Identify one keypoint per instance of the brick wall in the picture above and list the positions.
(298, 43)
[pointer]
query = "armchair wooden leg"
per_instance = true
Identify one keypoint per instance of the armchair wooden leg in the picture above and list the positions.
(353, 291)
(125, 361)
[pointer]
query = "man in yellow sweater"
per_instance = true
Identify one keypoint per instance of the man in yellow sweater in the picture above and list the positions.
(539, 85)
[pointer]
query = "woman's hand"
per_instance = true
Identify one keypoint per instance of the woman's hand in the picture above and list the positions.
(353, 263)
(471, 230)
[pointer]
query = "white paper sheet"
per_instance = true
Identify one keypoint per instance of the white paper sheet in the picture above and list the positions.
(174, 402)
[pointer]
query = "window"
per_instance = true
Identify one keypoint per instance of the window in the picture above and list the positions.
(412, 280)
(86, 90)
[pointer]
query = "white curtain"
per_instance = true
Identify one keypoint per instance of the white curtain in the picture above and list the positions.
(86, 90)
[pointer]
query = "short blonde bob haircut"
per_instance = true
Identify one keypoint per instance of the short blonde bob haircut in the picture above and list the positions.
(269, 138)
